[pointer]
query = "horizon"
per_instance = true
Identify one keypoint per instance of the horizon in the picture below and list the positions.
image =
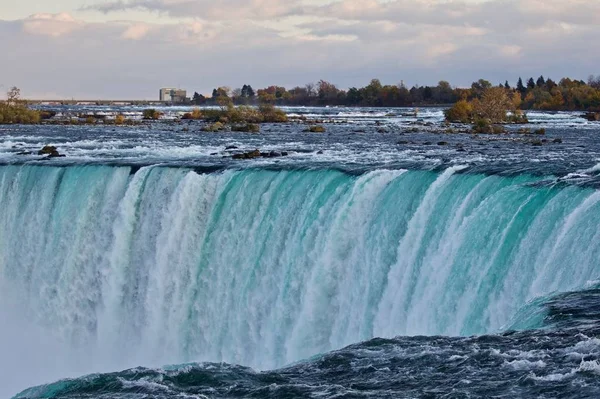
(124, 50)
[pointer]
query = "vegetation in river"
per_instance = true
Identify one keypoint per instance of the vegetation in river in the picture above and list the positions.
(15, 110)
(265, 113)
(151, 114)
(493, 106)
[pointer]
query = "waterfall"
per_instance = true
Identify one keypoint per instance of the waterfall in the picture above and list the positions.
(263, 268)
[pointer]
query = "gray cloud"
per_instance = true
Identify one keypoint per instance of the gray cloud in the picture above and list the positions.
(207, 9)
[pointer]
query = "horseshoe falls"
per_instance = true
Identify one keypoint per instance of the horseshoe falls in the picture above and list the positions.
(107, 267)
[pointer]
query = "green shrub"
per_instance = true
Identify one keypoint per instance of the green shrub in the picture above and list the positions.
(245, 114)
(214, 127)
(482, 126)
(248, 127)
(151, 114)
(196, 114)
(461, 112)
(271, 114)
(18, 113)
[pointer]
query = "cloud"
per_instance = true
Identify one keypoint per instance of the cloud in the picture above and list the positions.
(136, 31)
(290, 42)
(54, 25)
(207, 9)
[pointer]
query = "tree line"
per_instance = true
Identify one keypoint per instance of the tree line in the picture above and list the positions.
(541, 93)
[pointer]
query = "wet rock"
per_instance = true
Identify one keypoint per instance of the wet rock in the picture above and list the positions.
(50, 151)
(402, 142)
(557, 141)
(442, 143)
(592, 116)
(247, 155)
(231, 147)
(46, 150)
(316, 129)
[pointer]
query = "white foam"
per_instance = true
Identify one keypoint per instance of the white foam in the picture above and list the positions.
(525, 364)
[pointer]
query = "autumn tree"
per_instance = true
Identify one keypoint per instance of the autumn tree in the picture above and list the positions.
(493, 105)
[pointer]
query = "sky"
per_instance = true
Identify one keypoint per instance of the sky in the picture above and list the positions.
(128, 49)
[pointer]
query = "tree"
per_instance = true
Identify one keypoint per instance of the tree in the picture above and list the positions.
(247, 91)
(507, 86)
(480, 86)
(13, 96)
(327, 92)
(353, 97)
(493, 105)
(540, 82)
(198, 99)
(531, 84)
(594, 81)
(520, 87)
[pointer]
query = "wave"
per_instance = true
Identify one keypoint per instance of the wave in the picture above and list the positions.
(152, 266)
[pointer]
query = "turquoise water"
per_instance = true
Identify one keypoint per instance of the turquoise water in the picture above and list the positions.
(264, 268)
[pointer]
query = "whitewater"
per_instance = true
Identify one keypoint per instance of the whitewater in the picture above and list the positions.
(105, 267)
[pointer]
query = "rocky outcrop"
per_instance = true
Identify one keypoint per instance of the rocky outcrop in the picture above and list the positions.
(257, 154)
(592, 116)
(50, 151)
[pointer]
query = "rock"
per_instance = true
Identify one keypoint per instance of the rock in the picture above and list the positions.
(284, 154)
(442, 143)
(316, 129)
(592, 116)
(47, 150)
(402, 142)
(214, 153)
(247, 155)
(536, 143)
(25, 153)
(247, 128)
(320, 152)
(540, 131)
(231, 147)
(557, 141)
(50, 151)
